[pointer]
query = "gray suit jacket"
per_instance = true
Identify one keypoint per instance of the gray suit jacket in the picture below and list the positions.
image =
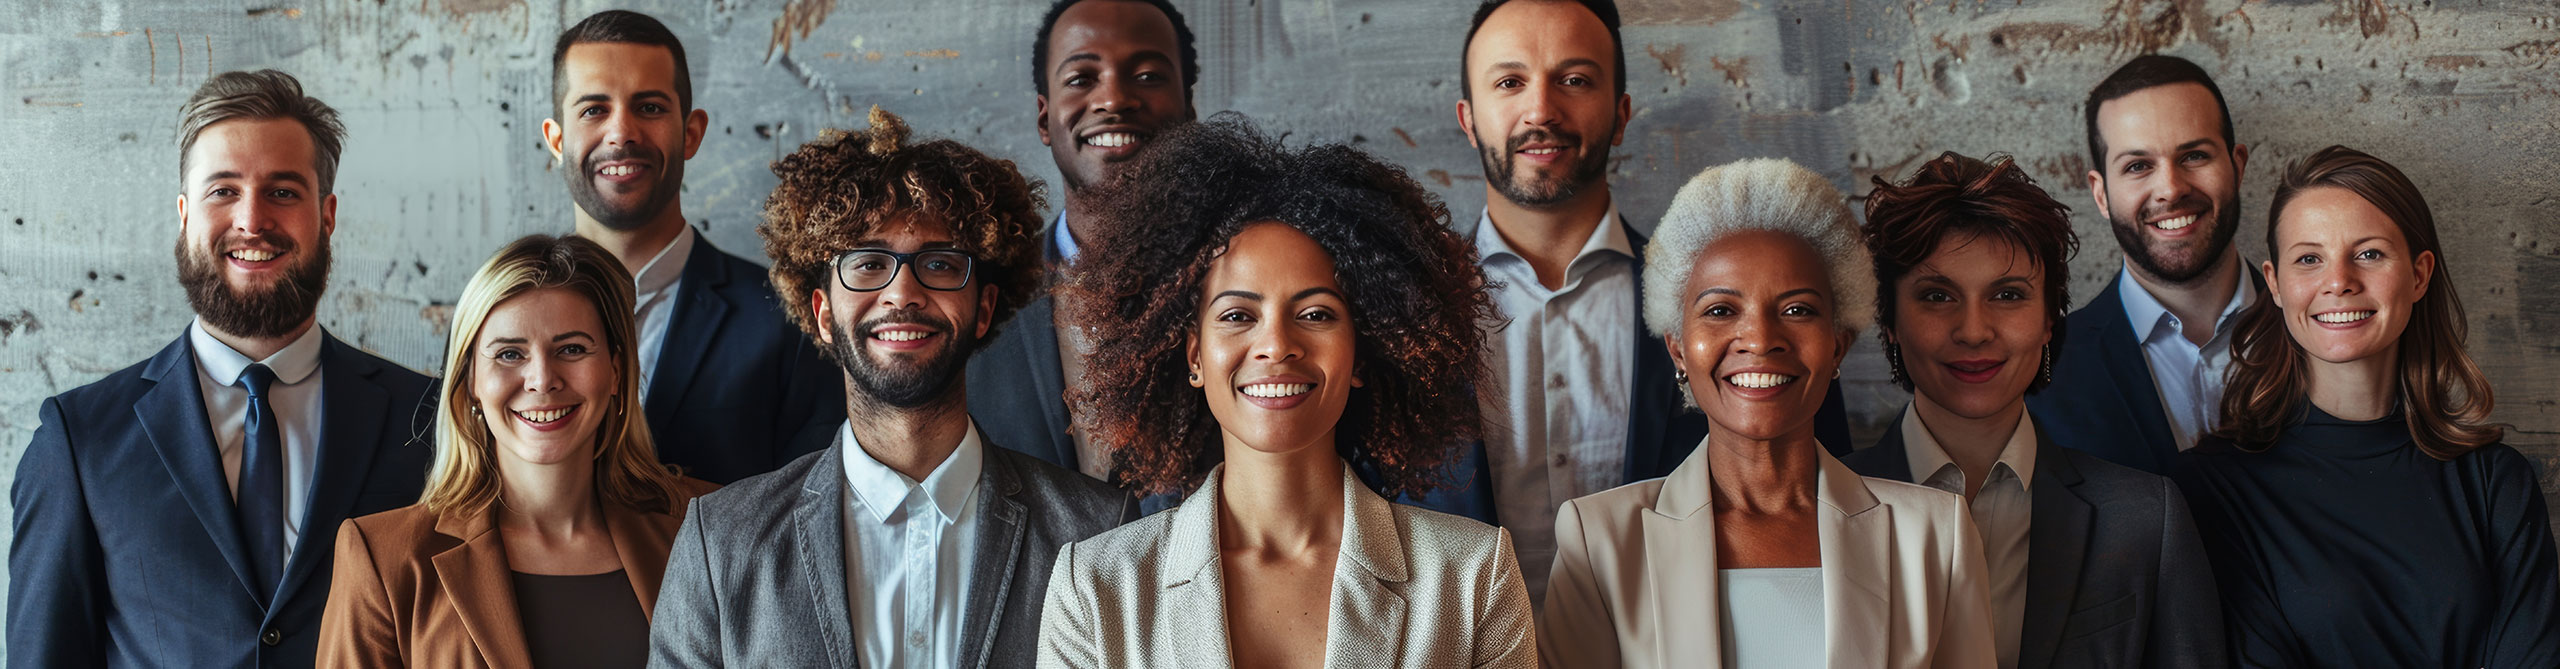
(2115, 573)
(757, 575)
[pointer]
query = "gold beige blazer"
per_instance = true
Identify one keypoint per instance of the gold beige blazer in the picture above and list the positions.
(1634, 583)
(418, 589)
(1411, 588)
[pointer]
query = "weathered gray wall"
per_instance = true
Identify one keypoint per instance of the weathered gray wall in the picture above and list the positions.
(443, 102)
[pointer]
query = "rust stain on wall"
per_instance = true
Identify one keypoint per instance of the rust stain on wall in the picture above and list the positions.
(1677, 12)
(2454, 63)
(934, 54)
(1671, 60)
(2370, 17)
(461, 8)
(801, 16)
(1737, 72)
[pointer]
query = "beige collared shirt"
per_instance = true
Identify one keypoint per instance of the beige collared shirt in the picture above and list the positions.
(2002, 511)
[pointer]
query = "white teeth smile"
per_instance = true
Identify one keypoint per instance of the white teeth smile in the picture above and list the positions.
(901, 335)
(1111, 140)
(1759, 380)
(619, 170)
(545, 416)
(2343, 316)
(253, 255)
(1278, 389)
(1542, 151)
(2179, 223)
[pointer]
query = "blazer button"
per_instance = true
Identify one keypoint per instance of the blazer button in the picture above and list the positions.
(272, 637)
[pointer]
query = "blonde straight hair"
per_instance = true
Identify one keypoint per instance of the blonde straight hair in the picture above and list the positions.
(464, 479)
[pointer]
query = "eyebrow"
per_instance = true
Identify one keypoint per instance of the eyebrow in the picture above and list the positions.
(2353, 244)
(2190, 144)
(1720, 290)
(600, 97)
(572, 334)
(295, 177)
(884, 244)
(1083, 56)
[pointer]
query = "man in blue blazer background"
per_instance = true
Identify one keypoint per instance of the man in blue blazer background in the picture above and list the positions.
(731, 388)
(183, 512)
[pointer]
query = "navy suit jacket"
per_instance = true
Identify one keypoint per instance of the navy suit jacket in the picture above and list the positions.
(738, 390)
(2116, 575)
(1018, 392)
(126, 550)
(2102, 400)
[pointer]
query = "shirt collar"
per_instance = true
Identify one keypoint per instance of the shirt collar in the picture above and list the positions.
(1609, 237)
(1928, 458)
(292, 364)
(883, 490)
(1064, 239)
(2149, 318)
(664, 270)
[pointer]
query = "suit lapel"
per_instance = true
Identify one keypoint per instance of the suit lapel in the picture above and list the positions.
(1195, 589)
(351, 420)
(700, 309)
(641, 539)
(819, 521)
(2129, 372)
(1048, 380)
(1680, 562)
(2057, 544)
(1857, 561)
(474, 576)
(172, 414)
(1365, 619)
(1647, 411)
(998, 548)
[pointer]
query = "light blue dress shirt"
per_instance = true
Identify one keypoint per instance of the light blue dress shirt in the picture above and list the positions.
(297, 402)
(2189, 376)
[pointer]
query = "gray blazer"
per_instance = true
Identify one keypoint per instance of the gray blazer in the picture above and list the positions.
(757, 575)
(2115, 573)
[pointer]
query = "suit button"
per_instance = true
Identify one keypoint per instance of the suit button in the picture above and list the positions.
(272, 637)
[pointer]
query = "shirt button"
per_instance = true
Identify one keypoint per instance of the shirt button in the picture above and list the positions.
(1556, 460)
(272, 637)
(1556, 382)
(915, 639)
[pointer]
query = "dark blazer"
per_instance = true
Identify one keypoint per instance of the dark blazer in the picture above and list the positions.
(2115, 573)
(1018, 392)
(757, 576)
(1661, 430)
(422, 589)
(738, 389)
(2103, 400)
(126, 550)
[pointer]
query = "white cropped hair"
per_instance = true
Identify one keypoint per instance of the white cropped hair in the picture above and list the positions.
(1770, 194)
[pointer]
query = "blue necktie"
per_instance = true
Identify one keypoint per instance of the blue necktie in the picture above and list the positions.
(260, 503)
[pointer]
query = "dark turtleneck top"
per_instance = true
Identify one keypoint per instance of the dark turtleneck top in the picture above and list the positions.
(2344, 545)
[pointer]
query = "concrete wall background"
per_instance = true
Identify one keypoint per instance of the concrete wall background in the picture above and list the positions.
(443, 101)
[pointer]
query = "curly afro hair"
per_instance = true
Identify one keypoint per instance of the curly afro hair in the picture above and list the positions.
(845, 186)
(1417, 299)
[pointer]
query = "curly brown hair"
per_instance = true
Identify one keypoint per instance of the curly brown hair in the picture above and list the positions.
(1418, 302)
(1954, 195)
(843, 187)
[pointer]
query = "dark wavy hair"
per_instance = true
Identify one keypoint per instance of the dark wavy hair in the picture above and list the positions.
(1954, 195)
(845, 186)
(2442, 393)
(1417, 300)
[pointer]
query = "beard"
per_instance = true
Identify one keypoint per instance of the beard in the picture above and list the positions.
(909, 385)
(619, 217)
(269, 311)
(2159, 262)
(1498, 167)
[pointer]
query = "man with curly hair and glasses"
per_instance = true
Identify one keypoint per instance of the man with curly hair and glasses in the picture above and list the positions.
(899, 259)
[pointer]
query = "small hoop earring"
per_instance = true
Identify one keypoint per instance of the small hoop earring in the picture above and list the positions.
(2045, 372)
(1893, 361)
(475, 411)
(1195, 376)
(1680, 375)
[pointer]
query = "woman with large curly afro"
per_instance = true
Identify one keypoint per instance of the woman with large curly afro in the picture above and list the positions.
(1274, 325)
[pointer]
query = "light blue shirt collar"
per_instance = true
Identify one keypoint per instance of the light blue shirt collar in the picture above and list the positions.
(2151, 320)
(1610, 237)
(291, 364)
(1064, 239)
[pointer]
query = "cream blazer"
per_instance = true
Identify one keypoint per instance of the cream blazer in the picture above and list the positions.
(1411, 588)
(1635, 584)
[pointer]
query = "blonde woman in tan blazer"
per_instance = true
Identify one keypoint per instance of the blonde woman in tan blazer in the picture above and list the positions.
(1273, 325)
(1760, 550)
(547, 519)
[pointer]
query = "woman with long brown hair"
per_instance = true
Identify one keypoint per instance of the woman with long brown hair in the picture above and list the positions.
(2356, 503)
(547, 518)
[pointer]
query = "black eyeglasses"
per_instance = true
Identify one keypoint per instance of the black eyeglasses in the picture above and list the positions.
(866, 270)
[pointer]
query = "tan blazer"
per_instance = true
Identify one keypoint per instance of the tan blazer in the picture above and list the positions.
(1412, 588)
(1635, 584)
(418, 589)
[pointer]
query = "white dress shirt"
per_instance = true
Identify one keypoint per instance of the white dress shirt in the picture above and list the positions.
(907, 553)
(1555, 416)
(2189, 376)
(294, 396)
(653, 300)
(2002, 512)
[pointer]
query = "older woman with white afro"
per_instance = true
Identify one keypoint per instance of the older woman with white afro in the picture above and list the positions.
(1760, 549)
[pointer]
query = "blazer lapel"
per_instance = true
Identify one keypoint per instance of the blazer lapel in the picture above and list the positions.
(642, 539)
(353, 416)
(1680, 562)
(819, 520)
(1365, 619)
(998, 548)
(1048, 381)
(1195, 589)
(1857, 555)
(474, 576)
(172, 414)
(2129, 372)
(2057, 544)
(700, 308)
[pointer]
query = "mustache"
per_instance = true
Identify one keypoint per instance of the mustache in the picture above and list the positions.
(273, 239)
(1525, 137)
(2192, 201)
(909, 316)
(606, 154)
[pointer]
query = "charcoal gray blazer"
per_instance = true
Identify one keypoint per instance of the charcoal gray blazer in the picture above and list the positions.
(757, 574)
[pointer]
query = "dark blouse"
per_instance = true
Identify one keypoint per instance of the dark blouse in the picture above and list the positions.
(582, 621)
(2343, 545)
